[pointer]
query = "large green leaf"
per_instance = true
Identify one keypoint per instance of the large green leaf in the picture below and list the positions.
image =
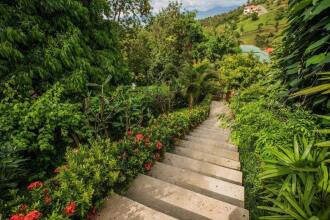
(316, 45)
(323, 5)
(313, 90)
(316, 59)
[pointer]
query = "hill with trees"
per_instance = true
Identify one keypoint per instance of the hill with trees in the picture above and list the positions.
(262, 30)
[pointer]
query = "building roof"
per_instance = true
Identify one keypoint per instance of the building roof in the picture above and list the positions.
(262, 55)
(251, 7)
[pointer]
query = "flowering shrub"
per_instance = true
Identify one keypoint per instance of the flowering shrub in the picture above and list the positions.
(93, 172)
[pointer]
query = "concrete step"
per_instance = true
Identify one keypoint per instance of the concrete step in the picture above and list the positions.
(212, 135)
(208, 169)
(121, 208)
(213, 130)
(181, 203)
(209, 186)
(214, 127)
(215, 143)
(209, 158)
(221, 152)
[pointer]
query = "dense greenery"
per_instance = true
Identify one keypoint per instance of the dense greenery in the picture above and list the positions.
(306, 58)
(91, 172)
(158, 52)
(284, 147)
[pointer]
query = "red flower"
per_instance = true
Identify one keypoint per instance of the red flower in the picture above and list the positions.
(35, 185)
(147, 166)
(23, 207)
(70, 208)
(33, 215)
(159, 145)
(17, 217)
(47, 199)
(129, 132)
(139, 137)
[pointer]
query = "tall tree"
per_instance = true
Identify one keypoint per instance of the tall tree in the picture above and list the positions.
(43, 42)
(129, 10)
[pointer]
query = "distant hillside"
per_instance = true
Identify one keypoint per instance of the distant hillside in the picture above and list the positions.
(214, 11)
(261, 32)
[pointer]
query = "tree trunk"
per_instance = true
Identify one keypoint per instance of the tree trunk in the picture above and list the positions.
(191, 101)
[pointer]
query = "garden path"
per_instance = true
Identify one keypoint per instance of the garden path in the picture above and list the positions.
(200, 180)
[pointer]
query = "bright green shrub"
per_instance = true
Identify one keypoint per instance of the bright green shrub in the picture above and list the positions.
(93, 172)
(239, 71)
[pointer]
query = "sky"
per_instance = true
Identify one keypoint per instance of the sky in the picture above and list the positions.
(204, 7)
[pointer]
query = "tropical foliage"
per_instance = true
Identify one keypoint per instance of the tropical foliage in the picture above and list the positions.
(306, 48)
(92, 172)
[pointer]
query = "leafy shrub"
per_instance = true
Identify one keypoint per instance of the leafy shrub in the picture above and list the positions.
(257, 130)
(41, 129)
(93, 172)
(114, 114)
(262, 124)
(240, 71)
(297, 182)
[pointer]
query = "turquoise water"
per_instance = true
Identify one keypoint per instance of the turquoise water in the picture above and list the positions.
(262, 55)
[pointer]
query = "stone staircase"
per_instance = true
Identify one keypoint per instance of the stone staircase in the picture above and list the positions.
(200, 180)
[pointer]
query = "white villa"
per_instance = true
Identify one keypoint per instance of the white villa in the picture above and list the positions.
(249, 9)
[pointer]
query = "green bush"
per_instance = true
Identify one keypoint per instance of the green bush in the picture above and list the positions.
(93, 172)
(285, 172)
(113, 114)
(41, 129)
(297, 182)
(262, 124)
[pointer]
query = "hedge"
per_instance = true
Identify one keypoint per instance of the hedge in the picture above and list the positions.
(92, 172)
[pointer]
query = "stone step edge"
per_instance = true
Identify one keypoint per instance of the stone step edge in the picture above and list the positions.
(172, 200)
(214, 188)
(207, 157)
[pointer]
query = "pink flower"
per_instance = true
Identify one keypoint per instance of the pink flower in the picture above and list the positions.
(129, 132)
(70, 209)
(33, 215)
(35, 185)
(159, 145)
(139, 137)
(147, 166)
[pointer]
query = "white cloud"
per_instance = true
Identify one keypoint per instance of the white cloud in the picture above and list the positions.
(200, 5)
